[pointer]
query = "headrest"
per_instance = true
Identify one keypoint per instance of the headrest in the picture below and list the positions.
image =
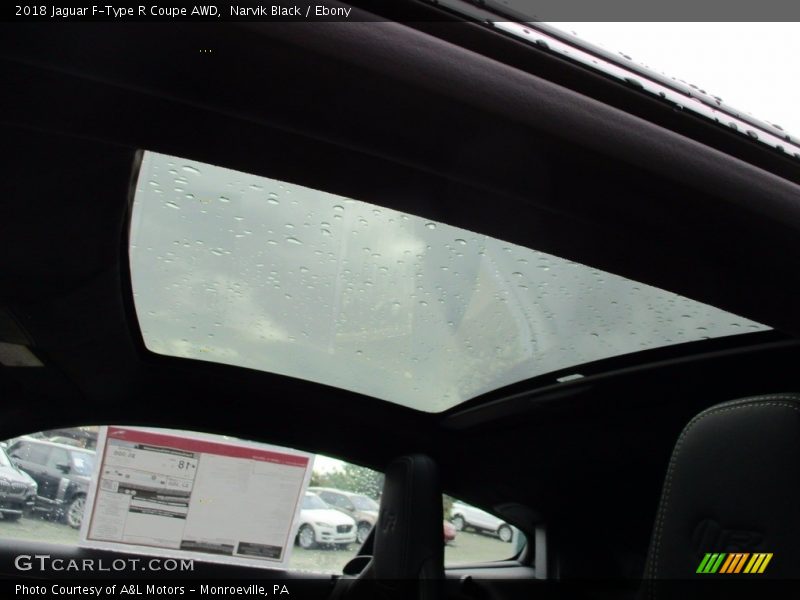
(730, 505)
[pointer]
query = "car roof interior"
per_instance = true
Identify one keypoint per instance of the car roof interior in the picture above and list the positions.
(447, 120)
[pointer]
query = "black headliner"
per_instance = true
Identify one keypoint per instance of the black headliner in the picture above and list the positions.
(390, 115)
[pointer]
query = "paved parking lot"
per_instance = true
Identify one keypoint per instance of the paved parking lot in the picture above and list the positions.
(468, 547)
(40, 530)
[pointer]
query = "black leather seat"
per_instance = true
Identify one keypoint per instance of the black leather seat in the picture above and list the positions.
(732, 490)
(407, 541)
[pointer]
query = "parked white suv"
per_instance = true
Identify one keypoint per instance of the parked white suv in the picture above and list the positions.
(321, 524)
(464, 515)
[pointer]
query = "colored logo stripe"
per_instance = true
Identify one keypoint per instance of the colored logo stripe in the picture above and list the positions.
(758, 563)
(734, 562)
(703, 563)
(727, 564)
(710, 563)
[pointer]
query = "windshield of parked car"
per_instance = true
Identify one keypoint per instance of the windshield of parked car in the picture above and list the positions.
(4, 460)
(311, 501)
(83, 463)
(254, 272)
(364, 503)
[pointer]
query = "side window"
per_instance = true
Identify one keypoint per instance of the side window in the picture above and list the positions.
(337, 500)
(195, 497)
(19, 450)
(58, 459)
(148, 490)
(38, 454)
(82, 462)
(342, 502)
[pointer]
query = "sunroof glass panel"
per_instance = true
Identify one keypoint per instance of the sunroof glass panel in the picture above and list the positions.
(248, 271)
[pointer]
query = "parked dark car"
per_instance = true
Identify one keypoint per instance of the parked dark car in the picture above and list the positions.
(17, 489)
(62, 474)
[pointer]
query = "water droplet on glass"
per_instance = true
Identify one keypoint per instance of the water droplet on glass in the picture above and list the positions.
(293, 240)
(190, 169)
(430, 225)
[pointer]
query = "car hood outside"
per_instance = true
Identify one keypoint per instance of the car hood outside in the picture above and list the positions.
(326, 515)
(13, 474)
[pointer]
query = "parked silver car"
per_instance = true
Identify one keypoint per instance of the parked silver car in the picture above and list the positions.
(464, 516)
(17, 489)
(360, 507)
(321, 524)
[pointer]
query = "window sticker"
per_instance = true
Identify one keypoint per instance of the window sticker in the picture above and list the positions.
(191, 495)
